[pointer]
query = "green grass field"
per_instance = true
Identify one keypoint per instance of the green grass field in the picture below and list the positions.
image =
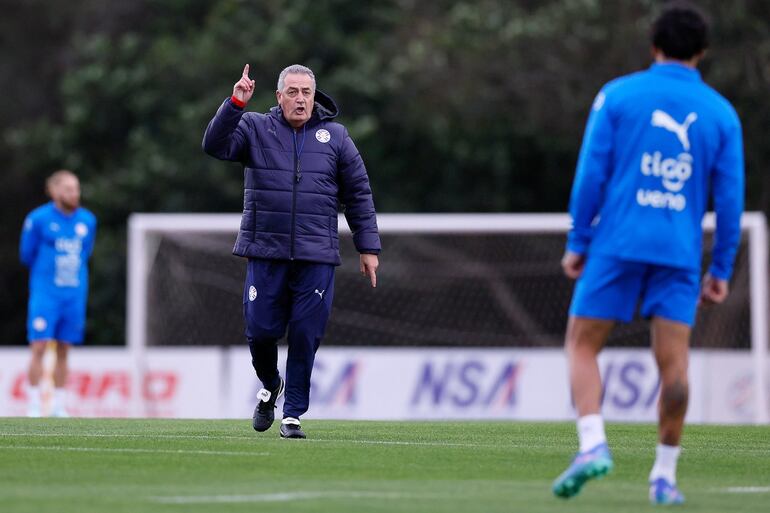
(115, 465)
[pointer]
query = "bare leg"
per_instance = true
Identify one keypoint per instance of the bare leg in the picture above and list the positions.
(36, 362)
(61, 368)
(35, 374)
(670, 342)
(584, 340)
(60, 381)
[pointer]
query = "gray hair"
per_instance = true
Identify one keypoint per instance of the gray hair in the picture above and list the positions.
(295, 69)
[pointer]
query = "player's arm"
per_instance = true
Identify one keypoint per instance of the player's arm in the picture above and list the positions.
(30, 241)
(225, 136)
(356, 195)
(728, 192)
(591, 176)
(88, 247)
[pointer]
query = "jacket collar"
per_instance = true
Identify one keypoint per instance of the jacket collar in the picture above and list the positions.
(673, 69)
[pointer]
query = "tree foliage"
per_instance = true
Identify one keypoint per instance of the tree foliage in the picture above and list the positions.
(455, 105)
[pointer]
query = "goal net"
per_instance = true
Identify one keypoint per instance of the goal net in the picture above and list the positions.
(460, 280)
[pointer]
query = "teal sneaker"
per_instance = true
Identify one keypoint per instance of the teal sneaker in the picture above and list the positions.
(664, 493)
(585, 466)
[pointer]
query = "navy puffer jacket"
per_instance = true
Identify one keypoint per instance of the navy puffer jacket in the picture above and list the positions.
(291, 199)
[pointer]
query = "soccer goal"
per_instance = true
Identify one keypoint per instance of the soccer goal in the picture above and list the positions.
(446, 280)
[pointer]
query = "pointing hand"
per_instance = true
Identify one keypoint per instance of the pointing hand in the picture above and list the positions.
(244, 88)
(368, 267)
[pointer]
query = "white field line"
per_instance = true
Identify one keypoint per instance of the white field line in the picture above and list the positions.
(502, 445)
(129, 450)
(395, 442)
(747, 489)
(290, 496)
(128, 435)
(232, 437)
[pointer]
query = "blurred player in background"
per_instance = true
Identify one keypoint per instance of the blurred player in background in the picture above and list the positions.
(299, 165)
(56, 243)
(657, 145)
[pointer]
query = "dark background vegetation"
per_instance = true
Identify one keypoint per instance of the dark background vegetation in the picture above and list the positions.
(457, 106)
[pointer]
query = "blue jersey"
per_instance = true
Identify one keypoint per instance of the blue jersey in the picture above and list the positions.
(657, 143)
(56, 248)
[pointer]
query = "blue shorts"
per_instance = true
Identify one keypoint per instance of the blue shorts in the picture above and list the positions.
(60, 319)
(610, 288)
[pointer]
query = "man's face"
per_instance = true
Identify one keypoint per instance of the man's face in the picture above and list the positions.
(296, 99)
(66, 192)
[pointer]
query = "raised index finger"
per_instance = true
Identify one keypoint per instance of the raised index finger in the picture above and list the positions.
(246, 71)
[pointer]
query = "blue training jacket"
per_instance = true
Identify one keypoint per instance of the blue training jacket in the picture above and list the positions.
(294, 181)
(656, 143)
(56, 248)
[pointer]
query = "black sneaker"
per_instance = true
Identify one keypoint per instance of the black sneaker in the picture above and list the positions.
(263, 414)
(290, 428)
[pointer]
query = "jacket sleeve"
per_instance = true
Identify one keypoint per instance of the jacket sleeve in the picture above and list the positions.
(225, 136)
(88, 248)
(593, 171)
(30, 241)
(356, 194)
(728, 191)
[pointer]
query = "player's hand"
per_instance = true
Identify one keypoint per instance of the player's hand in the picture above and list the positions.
(368, 267)
(572, 264)
(713, 290)
(244, 88)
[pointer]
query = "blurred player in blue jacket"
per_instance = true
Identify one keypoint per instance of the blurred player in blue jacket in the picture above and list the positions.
(56, 243)
(658, 145)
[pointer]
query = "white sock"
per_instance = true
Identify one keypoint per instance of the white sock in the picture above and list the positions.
(33, 396)
(666, 457)
(59, 398)
(590, 431)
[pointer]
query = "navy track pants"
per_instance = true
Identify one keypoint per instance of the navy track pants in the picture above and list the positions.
(279, 294)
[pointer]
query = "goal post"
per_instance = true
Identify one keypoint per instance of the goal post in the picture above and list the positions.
(147, 233)
(756, 225)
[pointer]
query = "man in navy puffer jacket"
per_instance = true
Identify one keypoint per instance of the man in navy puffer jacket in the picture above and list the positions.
(299, 165)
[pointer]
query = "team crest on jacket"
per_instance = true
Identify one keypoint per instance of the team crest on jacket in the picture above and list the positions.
(323, 135)
(252, 293)
(81, 229)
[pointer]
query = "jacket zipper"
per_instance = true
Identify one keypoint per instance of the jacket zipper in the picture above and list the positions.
(294, 183)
